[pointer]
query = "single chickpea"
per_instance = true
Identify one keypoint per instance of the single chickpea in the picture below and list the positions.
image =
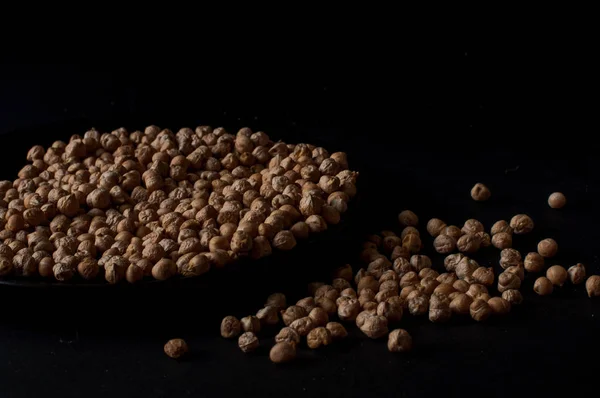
(547, 247)
(480, 192)
(557, 200)
(543, 286)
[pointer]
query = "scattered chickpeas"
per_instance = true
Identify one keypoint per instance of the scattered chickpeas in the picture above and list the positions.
(176, 348)
(547, 247)
(543, 286)
(557, 275)
(576, 273)
(399, 340)
(480, 192)
(557, 200)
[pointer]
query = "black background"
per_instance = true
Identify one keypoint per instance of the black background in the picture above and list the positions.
(421, 127)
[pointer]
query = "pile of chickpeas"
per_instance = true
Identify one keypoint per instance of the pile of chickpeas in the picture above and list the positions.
(395, 280)
(128, 205)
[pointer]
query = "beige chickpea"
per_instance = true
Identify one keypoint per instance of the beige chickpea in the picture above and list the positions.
(577, 273)
(521, 224)
(557, 275)
(502, 240)
(557, 200)
(408, 218)
(547, 248)
(480, 192)
(461, 304)
(480, 310)
(513, 296)
(468, 243)
(543, 286)
(534, 262)
(444, 244)
(453, 231)
(435, 227)
(499, 305)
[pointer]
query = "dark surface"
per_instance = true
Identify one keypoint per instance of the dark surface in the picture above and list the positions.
(466, 117)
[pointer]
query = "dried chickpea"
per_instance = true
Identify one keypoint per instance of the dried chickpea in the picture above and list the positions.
(547, 248)
(289, 335)
(557, 200)
(480, 310)
(248, 342)
(399, 341)
(374, 326)
(501, 226)
(318, 337)
(509, 257)
(521, 224)
(444, 244)
(412, 243)
(480, 192)
(557, 275)
(337, 330)
(268, 316)
(576, 273)
(303, 325)
(513, 296)
(499, 305)
(453, 231)
(507, 280)
(435, 227)
(468, 243)
(461, 304)
(282, 352)
(176, 348)
(543, 286)
(408, 219)
(534, 262)
(502, 240)
(592, 286)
